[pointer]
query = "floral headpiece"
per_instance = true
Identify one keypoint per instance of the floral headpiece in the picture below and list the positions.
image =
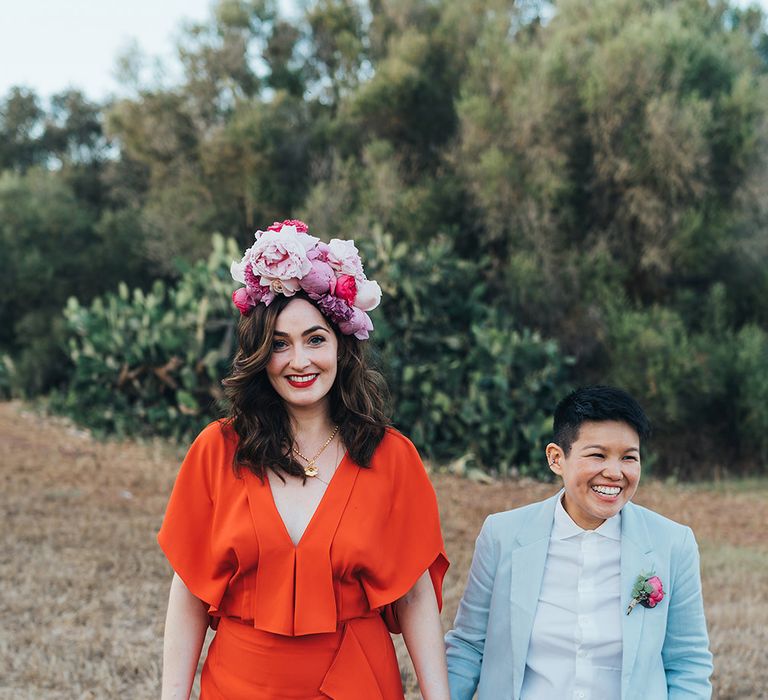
(286, 259)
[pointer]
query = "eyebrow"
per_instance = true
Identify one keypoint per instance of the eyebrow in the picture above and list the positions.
(602, 447)
(309, 331)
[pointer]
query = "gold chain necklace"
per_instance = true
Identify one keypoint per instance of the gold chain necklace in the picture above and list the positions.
(311, 469)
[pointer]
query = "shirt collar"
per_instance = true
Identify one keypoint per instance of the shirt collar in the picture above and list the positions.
(564, 527)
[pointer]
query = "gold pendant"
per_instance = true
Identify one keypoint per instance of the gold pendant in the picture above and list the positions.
(311, 470)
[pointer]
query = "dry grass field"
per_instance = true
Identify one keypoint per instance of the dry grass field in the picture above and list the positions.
(84, 585)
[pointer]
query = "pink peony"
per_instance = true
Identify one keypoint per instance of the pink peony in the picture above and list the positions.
(344, 258)
(346, 288)
(320, 279)
(281, 255)
(256, 291)
(359, 324)
(334, 308)
(251, 281)
(319, 252)
(267, 296)
(657, 595)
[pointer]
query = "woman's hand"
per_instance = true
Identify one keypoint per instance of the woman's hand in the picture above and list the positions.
(419, 620)
(185, 625)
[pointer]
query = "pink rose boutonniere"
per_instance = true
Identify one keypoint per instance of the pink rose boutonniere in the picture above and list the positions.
(648, 591)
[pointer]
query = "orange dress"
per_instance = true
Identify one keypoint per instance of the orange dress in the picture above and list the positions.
(309, 621)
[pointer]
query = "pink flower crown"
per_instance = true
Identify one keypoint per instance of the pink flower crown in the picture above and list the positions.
(286, 259)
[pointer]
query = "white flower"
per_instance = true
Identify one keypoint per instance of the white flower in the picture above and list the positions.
(368, 295)
(237, 269)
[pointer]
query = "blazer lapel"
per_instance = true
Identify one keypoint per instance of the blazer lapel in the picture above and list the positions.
(527, 561)
(636, 558)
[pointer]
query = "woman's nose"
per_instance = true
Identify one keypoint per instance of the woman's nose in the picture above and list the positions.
(299, 360)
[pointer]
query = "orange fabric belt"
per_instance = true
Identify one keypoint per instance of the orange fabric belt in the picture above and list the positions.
(250, 663)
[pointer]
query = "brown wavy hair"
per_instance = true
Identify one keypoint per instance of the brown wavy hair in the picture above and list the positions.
(358, 399)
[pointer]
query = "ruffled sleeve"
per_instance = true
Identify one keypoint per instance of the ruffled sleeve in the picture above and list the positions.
(410, 541)
(193, 533)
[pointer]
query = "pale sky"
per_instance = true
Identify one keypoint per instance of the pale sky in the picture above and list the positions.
(50, 45)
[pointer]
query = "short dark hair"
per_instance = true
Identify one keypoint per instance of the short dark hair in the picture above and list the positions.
(597, 403)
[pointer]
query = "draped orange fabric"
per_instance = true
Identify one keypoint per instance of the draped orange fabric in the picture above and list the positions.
(310, 620)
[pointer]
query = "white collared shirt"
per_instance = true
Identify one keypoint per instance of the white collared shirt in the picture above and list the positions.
(576, 641)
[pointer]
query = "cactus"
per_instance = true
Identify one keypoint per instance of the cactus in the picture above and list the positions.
(150, 362)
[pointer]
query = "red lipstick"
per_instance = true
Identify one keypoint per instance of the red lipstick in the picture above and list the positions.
(304, 384)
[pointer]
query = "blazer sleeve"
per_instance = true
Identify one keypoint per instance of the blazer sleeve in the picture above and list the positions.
(465, 643)
(685, 653)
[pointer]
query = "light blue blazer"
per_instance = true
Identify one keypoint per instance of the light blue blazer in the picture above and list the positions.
(665, 649)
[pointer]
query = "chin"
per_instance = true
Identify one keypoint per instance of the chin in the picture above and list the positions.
(613, 509)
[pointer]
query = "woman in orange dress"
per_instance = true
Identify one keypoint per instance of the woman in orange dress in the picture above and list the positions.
(303, 528)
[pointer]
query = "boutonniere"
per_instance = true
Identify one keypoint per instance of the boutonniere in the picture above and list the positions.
(647, 591)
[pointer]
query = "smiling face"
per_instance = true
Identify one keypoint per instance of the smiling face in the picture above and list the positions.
(600, 473)
(303, 363)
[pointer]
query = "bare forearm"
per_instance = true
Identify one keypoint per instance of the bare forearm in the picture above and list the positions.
(423, 634)
(185, 626)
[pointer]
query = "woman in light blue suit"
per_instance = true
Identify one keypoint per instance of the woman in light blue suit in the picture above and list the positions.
(584, 595)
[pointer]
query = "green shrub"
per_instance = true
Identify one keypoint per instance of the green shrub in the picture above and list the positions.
(151, 363)
(705, 390)
(750, 380)
(465, 381)
(514, 380)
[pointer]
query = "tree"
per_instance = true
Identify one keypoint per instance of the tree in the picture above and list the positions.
(620, 135)
(21, 124)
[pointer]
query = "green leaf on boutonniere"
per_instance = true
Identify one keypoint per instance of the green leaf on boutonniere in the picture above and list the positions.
(647, 591)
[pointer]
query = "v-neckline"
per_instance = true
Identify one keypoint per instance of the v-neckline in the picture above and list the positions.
(318, 507)
(294, 592)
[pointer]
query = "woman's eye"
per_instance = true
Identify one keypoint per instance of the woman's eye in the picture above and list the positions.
(279, 345)
(316, 340)
(599, 455)
(631, 458)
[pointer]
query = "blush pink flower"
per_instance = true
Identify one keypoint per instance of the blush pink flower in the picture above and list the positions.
(368, 295)
(319, 252)
(346, 288)
(281, 255)
(344, 258)
(243, 272)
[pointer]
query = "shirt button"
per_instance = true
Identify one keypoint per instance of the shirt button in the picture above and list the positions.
(582, 653)
(580, 694)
